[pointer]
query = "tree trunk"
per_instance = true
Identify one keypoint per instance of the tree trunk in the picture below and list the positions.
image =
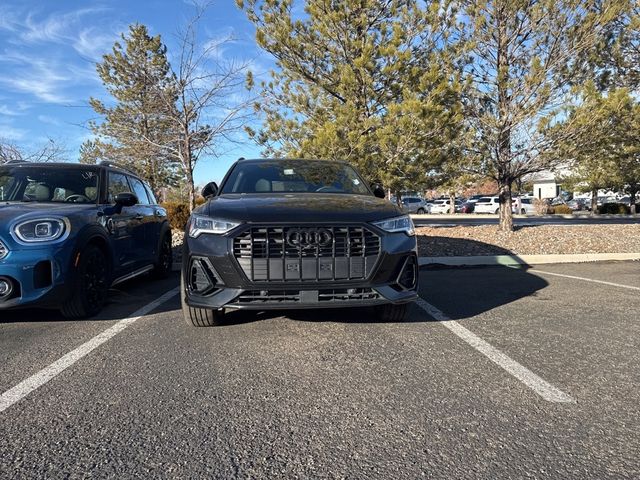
(452, 202)
(594, 201)
(506, 216)
(192, 190)
(399, 199)
(632, 201)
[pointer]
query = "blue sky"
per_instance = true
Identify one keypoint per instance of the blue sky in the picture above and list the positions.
(48, 51)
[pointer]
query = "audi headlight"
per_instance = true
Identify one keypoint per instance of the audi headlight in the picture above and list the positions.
(397, 224)
(199, 224)
(40, 230)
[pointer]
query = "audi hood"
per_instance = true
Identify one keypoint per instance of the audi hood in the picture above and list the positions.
(299, 208)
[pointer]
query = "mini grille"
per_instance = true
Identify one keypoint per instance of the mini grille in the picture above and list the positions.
(4, 251)
(275, 254)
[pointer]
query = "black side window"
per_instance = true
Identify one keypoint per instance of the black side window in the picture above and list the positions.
(139, 190)
(117, 184)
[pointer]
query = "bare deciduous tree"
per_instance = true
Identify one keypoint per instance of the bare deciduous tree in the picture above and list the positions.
(50, 151)
(206, 104)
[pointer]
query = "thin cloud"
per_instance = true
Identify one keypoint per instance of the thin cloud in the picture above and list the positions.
(55, 27)
(10, 132)
(10, 112)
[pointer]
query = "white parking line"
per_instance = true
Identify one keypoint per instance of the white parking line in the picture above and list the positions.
(35, 381)
(592, 280)
(526, 376)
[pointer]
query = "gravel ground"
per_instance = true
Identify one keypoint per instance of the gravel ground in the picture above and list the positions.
(487, 240)
(534, 240)
(177, 238)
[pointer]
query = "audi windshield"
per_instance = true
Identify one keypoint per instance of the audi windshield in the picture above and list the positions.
(25, 183)
(294, 176)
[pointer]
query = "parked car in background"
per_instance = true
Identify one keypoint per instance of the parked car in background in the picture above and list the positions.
(444, 206)
(68, 232)
(415, 205)
(578, 204)
(487, 205)
(467, 207)
(474, 198)
(523, 206)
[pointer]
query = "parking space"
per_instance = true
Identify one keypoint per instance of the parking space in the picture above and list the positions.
(337, 394)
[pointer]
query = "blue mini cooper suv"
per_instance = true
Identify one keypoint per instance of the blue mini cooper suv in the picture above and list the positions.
(68, 232)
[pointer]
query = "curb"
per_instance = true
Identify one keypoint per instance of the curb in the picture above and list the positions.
(526, 259)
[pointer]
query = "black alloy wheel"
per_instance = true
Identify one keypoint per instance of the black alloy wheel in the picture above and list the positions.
(91, 285)
(165, 258)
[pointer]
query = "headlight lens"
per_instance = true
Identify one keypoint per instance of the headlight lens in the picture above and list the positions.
(397, 224)
(41, 230)
(199, 224)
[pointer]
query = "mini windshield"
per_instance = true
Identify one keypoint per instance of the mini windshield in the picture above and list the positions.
(294, 176)
(48, 184)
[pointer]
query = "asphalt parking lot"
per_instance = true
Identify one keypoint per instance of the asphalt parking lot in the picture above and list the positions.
(524, 373)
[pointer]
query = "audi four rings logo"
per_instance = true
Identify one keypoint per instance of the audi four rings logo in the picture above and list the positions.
(309, 237)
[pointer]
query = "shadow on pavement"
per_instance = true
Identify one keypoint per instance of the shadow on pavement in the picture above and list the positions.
(124, 300)
(463, 292)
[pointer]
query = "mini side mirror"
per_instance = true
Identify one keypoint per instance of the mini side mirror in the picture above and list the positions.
(210, 190)
(126, 199)
(378, 191)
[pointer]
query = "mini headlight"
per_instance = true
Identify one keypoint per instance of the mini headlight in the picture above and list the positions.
(397, 224)
(41, 230)
(199, 224)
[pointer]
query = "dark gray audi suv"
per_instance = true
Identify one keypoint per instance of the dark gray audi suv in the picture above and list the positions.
(295, 234)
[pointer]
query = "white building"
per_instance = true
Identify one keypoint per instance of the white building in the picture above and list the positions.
(544, 185)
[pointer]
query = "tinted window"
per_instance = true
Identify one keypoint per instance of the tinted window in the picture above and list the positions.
(117, 184)
(300, 176)
(484, 200)
(139, 190)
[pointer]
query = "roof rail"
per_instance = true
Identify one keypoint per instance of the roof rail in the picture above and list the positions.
(109, 163)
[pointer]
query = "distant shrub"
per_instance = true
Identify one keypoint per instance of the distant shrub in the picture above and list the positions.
(540, 206)
(613, 209)
(178, 214)
(562, 210)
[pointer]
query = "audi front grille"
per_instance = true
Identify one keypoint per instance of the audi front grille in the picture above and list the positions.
(300, 254)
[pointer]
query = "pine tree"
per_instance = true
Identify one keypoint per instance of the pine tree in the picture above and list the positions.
(371, 82)
(522, 66)
(134, 130)
(604, 151)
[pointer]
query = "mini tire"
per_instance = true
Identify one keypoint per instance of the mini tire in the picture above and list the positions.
(199, 317)
(391, 312)
(421, 211)
(523, 211)
(90, 284)
(163, 266)
(497, 211)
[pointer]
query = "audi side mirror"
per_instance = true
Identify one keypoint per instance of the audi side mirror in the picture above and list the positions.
(378, 191)
(210, 190)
